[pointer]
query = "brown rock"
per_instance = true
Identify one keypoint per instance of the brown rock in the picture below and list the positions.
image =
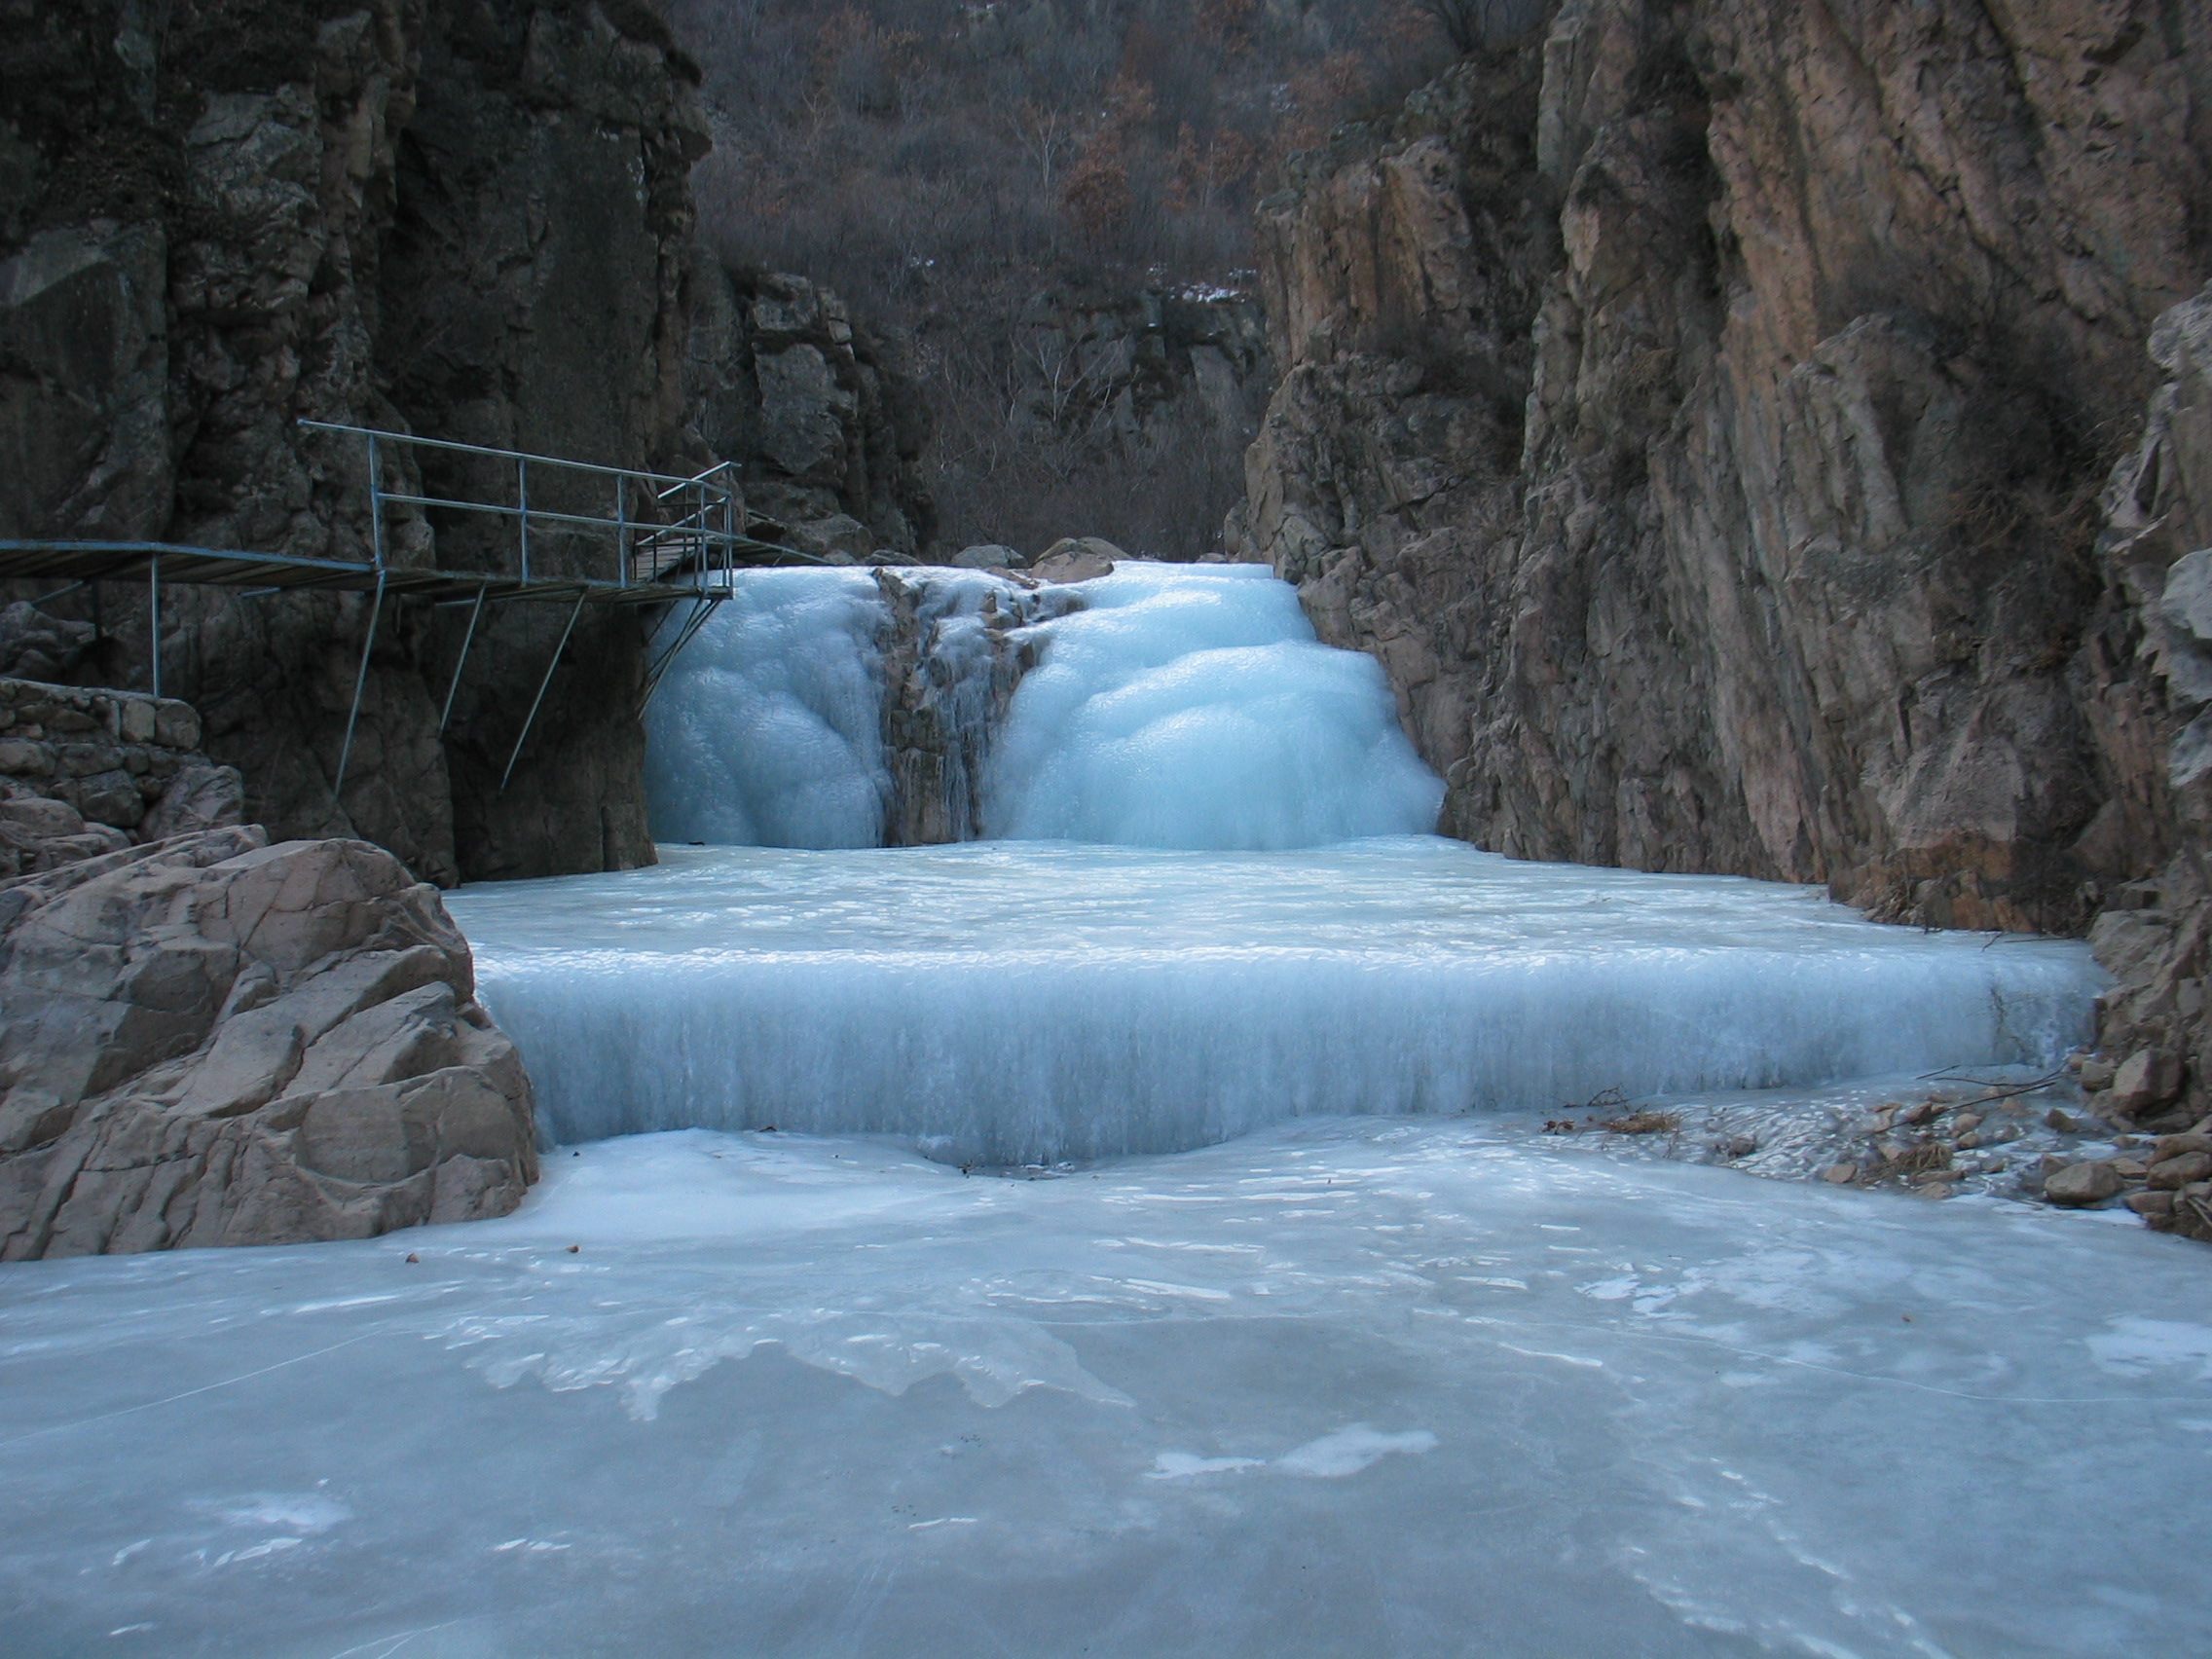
(2192, 1214)
(2171, 1174)
(2146, 1079)
(214, 1040)
(2147, 1204)
(2081, 1183)
(1076, 559)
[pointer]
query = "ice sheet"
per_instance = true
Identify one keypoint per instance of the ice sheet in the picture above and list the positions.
(1371, 1387)
(1012, 1003)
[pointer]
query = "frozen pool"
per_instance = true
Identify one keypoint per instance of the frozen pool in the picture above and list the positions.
(1364, 1387)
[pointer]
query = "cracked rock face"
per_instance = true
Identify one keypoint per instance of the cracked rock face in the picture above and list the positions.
(87, 771)
(1702, 411)
(216, 1041)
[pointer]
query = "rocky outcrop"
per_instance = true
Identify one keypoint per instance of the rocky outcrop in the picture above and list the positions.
(2146, 683)
(530, 295)
(465, 220)
(216, 1041)
(84, 772)
(822, 417)
(952, 662)
(1100, 359)
(1701, 412)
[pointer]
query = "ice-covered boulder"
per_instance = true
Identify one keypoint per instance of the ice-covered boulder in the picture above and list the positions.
(216, 1041)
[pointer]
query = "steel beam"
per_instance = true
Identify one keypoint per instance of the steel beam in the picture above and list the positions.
(475, 613)
(530, 720)
(360, 686)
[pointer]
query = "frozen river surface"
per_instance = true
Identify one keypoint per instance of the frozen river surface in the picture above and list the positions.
(1028, 1002)
(1361, 1387)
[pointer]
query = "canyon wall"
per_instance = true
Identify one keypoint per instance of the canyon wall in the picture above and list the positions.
(469, 219)
(1709, 413)
(1702, 411)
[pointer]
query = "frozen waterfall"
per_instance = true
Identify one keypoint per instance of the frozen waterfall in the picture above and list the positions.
(1014, 1002)
(1210, 904)
(1361, 1382)
(1169, 706)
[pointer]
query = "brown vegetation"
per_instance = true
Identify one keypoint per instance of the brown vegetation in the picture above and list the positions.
(941, 164)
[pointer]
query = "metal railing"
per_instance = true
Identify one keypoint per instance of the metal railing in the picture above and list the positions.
(655, 530)
(635, 538)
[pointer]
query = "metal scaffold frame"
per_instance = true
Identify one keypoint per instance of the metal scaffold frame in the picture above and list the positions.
(663, 540)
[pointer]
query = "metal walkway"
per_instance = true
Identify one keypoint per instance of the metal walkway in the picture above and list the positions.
(644, 538)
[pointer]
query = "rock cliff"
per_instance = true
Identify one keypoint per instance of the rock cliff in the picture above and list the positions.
(824, 419)
(1703, 410)
(1722, 418)
(465, 218)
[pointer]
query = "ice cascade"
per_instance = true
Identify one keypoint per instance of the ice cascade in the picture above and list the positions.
(1192, 897)
(1019, 1002)
(1162, 705)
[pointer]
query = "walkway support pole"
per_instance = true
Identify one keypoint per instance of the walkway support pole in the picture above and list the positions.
(531, 718)
(154, 618)
(475, 611)
(360, 684)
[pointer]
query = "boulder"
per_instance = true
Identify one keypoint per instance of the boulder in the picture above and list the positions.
(202, 796)
(838, 539)
(2145, 1080)
(2190, 1215)
(2080, 1183)
(988, 556)
(216, 1041)
(1076, 559)
(2171, 1174)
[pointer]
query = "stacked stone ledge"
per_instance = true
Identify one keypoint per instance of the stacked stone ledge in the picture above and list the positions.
(84, 772)
(210, 1040)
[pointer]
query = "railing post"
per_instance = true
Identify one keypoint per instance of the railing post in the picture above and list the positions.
(622, 528)
(522, 500)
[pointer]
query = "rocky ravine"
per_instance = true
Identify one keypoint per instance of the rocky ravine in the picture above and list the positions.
(1709, 412)
(210, 1040)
